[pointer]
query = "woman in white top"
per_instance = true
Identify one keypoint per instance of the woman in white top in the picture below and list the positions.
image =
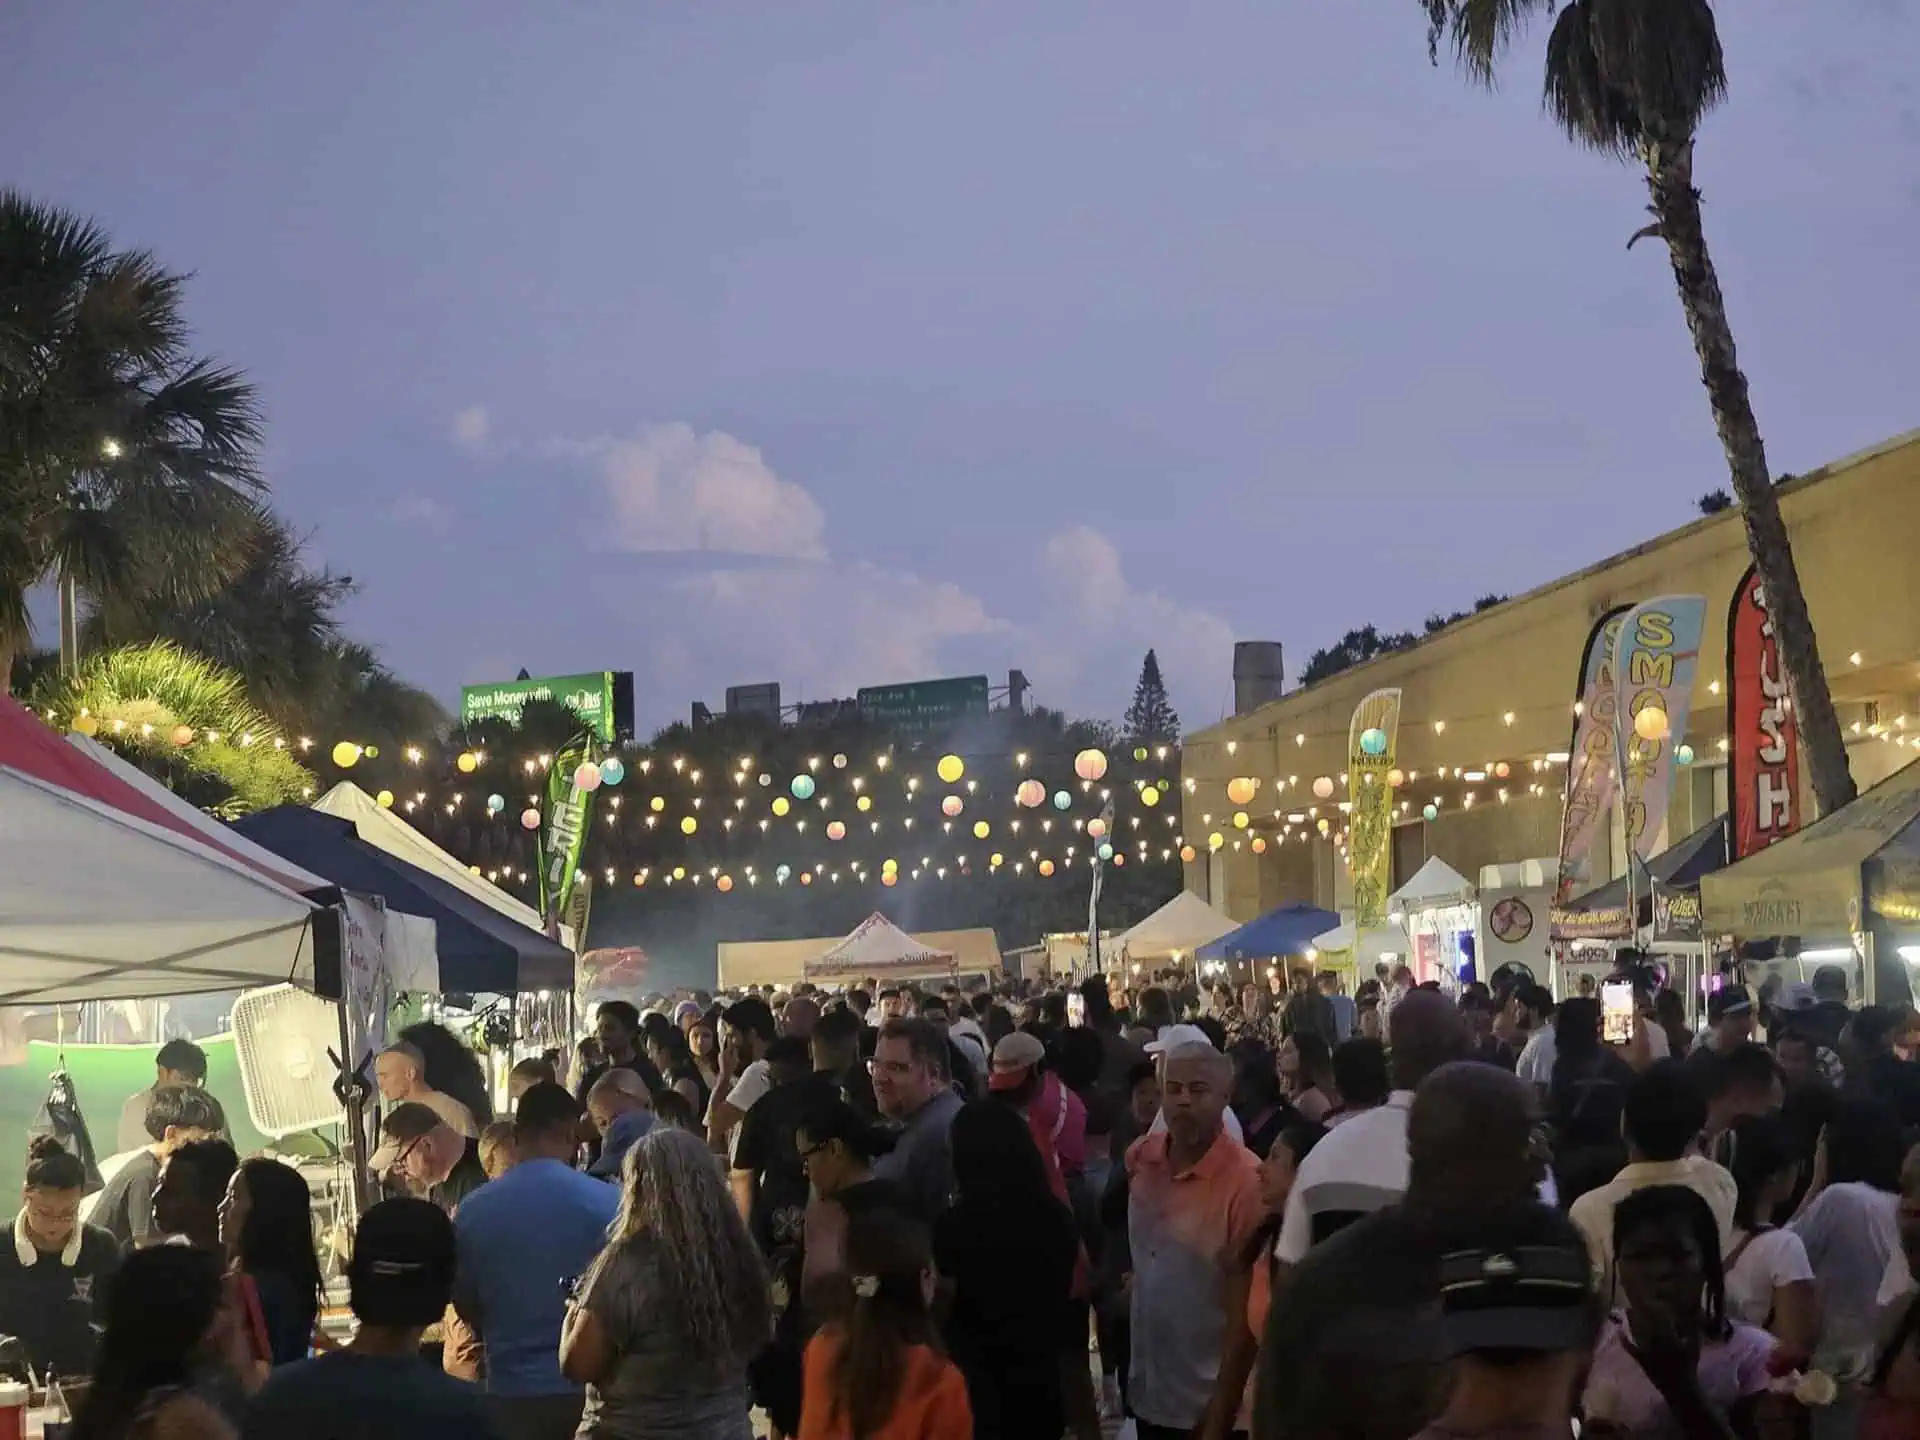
(1769, 1282)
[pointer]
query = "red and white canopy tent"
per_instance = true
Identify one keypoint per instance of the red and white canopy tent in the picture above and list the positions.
(878, 949)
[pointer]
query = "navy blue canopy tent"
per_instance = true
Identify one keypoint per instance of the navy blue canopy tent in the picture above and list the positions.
(480, 950)
(1290, 930)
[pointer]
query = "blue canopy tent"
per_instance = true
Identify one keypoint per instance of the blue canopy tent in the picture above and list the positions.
(480, 950)
(1290, 930)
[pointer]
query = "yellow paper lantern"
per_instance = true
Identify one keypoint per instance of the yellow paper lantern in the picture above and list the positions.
(950, 769)
(1242, 790)
(888, 865)
(1187, 854)
(781, 805)
(863, 804)
(981, 829)
(1651, 723)
(679, 872)
(1150, 796)
(723, 884)
(1240, 821)
(689, 825)
(996, 860)
(384, 799)
(1046, 868)
(468, 762)
(1216, 840)
(346, 754)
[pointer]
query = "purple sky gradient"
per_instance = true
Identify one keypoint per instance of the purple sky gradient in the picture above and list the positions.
(841, 343)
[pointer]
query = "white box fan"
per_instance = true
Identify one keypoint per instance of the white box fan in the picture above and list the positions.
(282, 1035)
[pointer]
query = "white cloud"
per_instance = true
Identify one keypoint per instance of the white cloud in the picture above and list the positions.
(471, 428)
(672, 489)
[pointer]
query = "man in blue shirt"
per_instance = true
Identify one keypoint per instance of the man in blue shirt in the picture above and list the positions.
(524, 1239)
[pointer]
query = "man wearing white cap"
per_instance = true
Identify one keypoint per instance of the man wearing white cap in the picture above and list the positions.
(1173, 1037)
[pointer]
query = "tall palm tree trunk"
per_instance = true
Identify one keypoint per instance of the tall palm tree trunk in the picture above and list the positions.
(69, 623)
(1676, 205)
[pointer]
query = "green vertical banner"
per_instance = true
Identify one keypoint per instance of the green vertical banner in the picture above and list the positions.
(1371, 741)
(563, 825)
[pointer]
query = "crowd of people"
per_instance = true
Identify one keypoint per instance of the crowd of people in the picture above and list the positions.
(889, 1214)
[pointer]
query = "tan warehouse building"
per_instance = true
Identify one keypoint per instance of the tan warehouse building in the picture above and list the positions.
(1487, 704)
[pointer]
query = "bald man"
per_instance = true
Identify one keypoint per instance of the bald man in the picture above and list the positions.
(1362, 1164)
(1353, 1345)
(1193, 1203)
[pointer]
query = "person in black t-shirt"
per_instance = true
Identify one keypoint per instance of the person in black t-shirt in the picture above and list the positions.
(54, 1273)
(176, 1115)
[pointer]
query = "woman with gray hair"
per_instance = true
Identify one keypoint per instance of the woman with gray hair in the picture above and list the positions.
(663, 1325)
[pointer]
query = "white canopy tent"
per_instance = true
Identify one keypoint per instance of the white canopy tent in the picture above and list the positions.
(387, 831)
(1369, 946)
(1179, 927)
(880, 949)
(1436, 885)
(98, 905)
(407, 941)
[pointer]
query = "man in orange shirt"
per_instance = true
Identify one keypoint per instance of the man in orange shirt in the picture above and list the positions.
(1194, 1199)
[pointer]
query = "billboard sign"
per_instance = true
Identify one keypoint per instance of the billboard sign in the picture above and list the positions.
(926, 704)
(591, 697)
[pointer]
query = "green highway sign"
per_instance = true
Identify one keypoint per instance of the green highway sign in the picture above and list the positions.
(588, 696)
(926, 704)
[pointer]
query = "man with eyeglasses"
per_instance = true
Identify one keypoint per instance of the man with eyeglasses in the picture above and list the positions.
(436, 1161)
(914, 1089)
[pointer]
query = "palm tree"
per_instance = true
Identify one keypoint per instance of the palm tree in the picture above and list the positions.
(127, 464)
(1634, 78)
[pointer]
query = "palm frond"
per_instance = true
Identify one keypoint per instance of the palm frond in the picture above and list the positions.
(1478, 32)
(1622, 72)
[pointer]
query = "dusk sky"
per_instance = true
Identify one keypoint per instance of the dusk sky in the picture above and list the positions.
(839, 344)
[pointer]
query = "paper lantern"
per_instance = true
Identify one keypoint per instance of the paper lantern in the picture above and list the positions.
(1396, 777)
(996, 860)
(1242, 789)
(495, 804)
(1430, 812)
(1216, 840)
(1683, 755)
(952, 805)
(384, 799)
(1149, 797)
(1030, 794)
(765, 780)
(1323, 787)
(1062, 800)
(806, 877)
(1651, 723)
(586, 776)
(372, 752)
(782, 873)
(781, 805)
(1096, 827)
(1046, 868)
(802, 787)
(981, 829)
(85, 725)
(1187, 853)
(887, 878)
(530, 819)
(657, 804)
(1090, 765)
(679, 872)
(1105, 852)
(889, 864)
(1501, 770)
(346, 754)
(863, 804)
(612, 770)
(950, 769)
(723, 884)
(1240, 820)
(836, 831)
(1259, 844)
(639, 878)
(1323, 825)
(839, 762)
(467, 762)
(1373, 741)
(688, 825)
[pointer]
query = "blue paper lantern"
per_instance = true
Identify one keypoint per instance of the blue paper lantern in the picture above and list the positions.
(1373, 741)
(612, 771)
(1431, 812)
(1684, 755)
(1106, 851)
(495, 804)
(1062, 800)
(781, 873)
(802, 787)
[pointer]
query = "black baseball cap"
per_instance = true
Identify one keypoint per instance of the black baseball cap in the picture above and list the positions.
(1733, 1000)
(402, 1268)
(1518, 1280)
